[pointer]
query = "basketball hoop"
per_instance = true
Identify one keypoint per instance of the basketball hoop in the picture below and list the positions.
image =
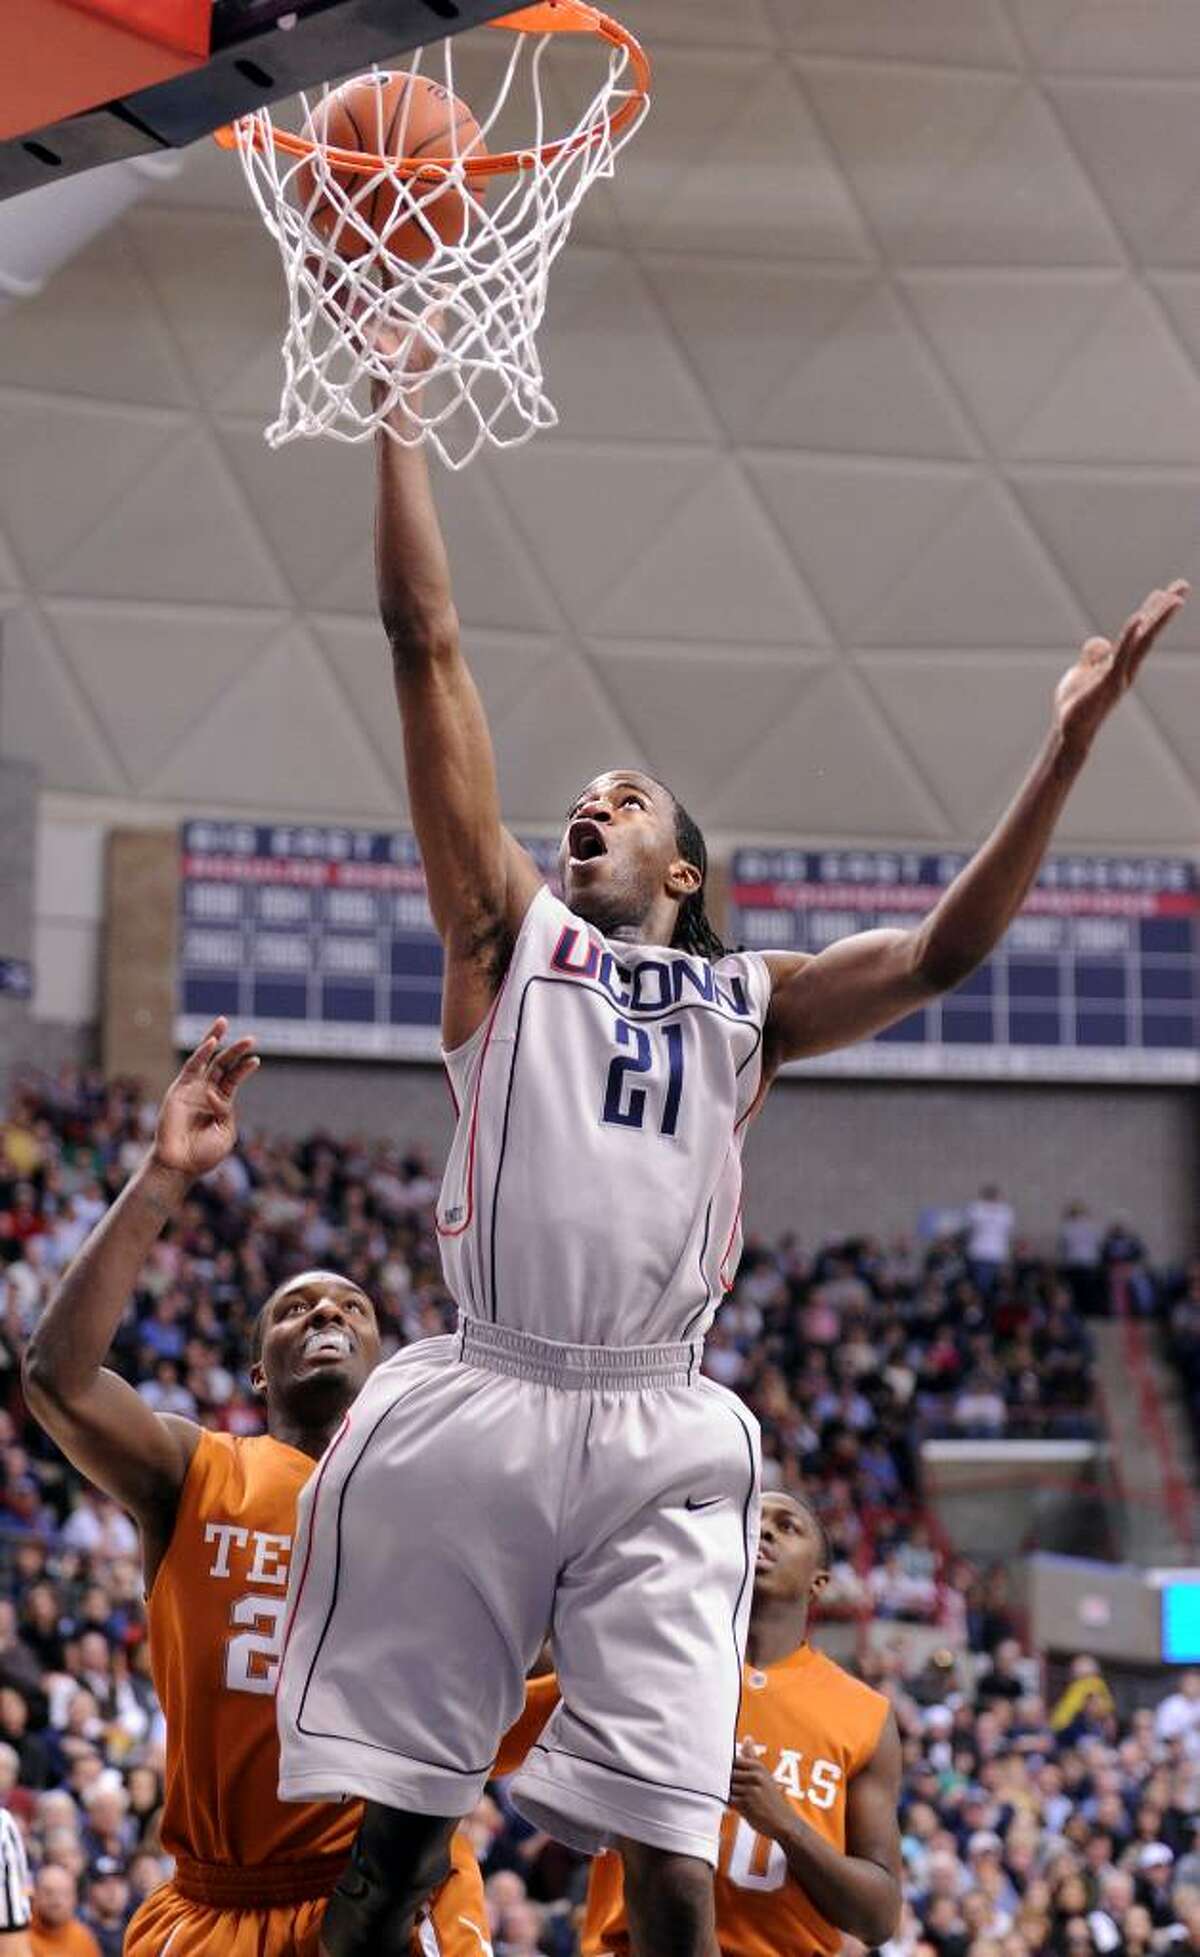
(443, 350)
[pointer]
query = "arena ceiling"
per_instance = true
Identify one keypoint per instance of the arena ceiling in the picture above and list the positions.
(879, 374)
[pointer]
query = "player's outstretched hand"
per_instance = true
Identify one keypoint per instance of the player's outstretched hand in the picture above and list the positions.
(757, 1795)
(1104, 671)
(197, 1125)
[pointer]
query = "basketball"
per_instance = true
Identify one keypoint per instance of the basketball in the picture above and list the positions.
(392, 115)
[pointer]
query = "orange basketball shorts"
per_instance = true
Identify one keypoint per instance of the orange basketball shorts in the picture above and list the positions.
(169, 1925)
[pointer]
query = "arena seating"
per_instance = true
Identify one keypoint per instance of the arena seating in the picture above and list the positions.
(1029, 1827)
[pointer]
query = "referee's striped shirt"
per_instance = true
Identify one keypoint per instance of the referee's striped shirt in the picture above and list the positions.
(14, 1890)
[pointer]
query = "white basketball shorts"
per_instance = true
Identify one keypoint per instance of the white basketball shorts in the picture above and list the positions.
(486, 1489)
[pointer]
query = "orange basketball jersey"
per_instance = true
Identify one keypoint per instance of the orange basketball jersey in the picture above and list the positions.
(216, 1617)
(815, 1727)
(216, 1632)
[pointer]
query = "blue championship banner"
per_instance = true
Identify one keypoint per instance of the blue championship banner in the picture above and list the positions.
(316, 938)
(1098, 979)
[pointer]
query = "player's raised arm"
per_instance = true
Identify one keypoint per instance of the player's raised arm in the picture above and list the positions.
(480, 881)
(869, 981)
(101, 1424)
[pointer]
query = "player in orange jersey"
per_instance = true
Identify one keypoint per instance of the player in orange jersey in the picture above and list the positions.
(217, 1517)
(810, 1846)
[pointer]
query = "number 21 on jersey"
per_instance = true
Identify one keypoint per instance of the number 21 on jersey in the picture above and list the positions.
(637, 1072)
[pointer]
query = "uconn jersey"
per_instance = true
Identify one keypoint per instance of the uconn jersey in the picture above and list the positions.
(593, 1191)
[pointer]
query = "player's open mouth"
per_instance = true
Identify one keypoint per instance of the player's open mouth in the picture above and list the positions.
(585, 842)
(328, 1343)
(765, 1559)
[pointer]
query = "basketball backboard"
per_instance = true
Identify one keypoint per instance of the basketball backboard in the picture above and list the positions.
(86, 82)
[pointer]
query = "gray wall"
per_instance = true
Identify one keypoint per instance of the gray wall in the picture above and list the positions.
(18, 829)
(832, 1157)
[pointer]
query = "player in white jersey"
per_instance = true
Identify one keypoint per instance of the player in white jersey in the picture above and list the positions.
(15, 1910)
(560, 1462)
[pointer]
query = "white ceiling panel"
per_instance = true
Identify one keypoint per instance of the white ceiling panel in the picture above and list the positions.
(1118, 37)
(879, 377)
(987, 580)
(94, 335)
(699, 710)
(280, 734)
(1005, 338)
(959, 167)
(950, 33)
(44, 717)
(1116, 533)
(111, 649)
(716, 570)
(833, 751)
(857, 527)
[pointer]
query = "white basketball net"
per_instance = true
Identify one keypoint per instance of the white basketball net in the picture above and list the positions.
(446, 351)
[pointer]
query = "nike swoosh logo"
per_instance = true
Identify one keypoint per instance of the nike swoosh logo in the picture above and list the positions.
(709, 1503)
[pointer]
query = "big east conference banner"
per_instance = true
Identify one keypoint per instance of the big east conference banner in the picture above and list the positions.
(1098, 979)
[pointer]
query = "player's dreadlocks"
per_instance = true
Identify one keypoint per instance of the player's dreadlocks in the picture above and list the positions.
(693, 928)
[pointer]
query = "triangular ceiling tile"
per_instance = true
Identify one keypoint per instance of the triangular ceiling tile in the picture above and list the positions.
(220, 284)
(699, 23)
(504, 667)
(830, 769)
(795, 311)
(42, 717)
(1005, 337)
(871, 389)
(1128, 395)
(603, 325)
(94, 331)
(716, 571)
(1179, 292)
(1151, 37)
(282, 737)
(151, 673)
(986, 581)
(731, 160)
(697, 712)
(856, 526)
(1133, 791)
(10, 576)
(559, 736)
(563, 498)
(315, 502)
(1169, 688)
(944, 32)
(1118, 536)
(974, 730)
(1138, 142)
(179, 535)
(955, 167)
(70, 461)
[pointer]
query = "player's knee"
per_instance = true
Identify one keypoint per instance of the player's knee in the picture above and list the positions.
(679, 1885)
(397, 1861)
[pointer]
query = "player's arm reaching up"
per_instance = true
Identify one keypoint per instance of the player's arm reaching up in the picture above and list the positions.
(480, 881)
(102, 1425)
(869, 981)
(858, 1892)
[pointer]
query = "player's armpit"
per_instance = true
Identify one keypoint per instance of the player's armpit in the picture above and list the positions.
(854, 989)
(541, 1697)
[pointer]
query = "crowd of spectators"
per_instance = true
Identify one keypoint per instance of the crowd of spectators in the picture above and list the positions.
(1024, 1831)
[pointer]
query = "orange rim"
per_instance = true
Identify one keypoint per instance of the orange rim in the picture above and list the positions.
(548, 17)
